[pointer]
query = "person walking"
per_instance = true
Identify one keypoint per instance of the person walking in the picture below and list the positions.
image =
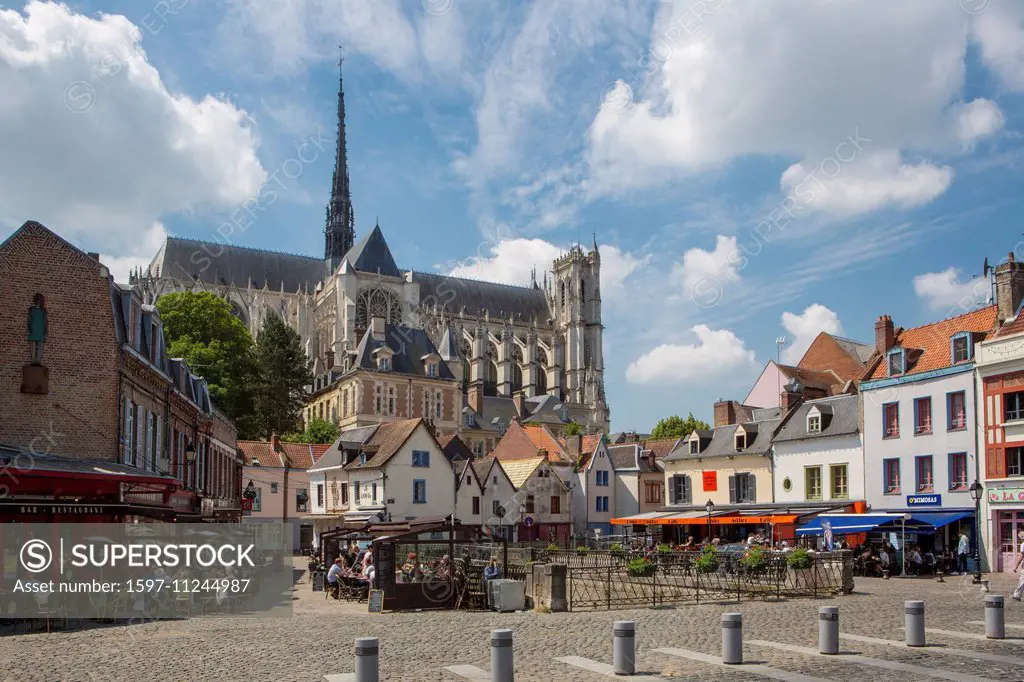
(1020, 559)
(963, 548)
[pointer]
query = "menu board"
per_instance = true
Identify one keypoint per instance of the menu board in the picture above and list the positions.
(375, 602)
(318, 581)
(385, 568)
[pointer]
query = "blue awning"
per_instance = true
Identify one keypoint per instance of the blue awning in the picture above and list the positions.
(847, 523)
(939, 519)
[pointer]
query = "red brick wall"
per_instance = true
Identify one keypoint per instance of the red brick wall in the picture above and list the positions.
(79, 416)
(825, 354)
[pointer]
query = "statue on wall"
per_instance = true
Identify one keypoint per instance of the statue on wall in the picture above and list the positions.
(37, 328)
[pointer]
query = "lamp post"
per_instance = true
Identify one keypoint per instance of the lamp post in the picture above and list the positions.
(976, 490)
(190, 456)
(710, 506)
(522, 520)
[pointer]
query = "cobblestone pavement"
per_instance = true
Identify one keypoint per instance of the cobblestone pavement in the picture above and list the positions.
(318, 640)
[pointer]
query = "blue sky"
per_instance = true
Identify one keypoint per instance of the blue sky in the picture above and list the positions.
(750, 172)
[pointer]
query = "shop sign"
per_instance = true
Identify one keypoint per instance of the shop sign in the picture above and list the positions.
(997, 495)
(924, 500)
(63, 510)
(710, 481)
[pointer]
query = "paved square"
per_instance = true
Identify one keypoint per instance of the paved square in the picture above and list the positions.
(318, 640)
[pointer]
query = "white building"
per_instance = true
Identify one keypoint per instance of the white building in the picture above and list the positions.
(486, 497)
(920, 447)
(818, 453)
(394, 471)
(594, 492)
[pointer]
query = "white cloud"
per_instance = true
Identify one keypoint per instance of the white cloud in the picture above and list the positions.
(717, 267)
(946, 290)
(510, 261)
(146, 246)
(978, 119)
(122, 151)
(1000, 32)
(877, 180)
(717, 353)
(287, 36)
(803, 329)
(796, 81)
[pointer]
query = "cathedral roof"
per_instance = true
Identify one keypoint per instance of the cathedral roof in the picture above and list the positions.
(448, 348)
(217, 264)
(371, 254)
(408, 346)
(476, 297)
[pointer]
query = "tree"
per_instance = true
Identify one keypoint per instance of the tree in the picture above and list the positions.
(677, 427)
(201, 329)
(318, 431)
(282, 374)
(572, 429)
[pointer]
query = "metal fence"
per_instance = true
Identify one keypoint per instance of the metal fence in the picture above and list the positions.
(602, 580)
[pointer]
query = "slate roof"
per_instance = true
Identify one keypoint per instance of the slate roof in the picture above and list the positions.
(843, 420)
(822, 380)
(624, 457)
(929, 345)
(723, 442)
(236, 265)
(862, 352)
(454, 448)
(388, 439)
(350, 439)
(448, 348)
(408, 346)
(474, 297)
(372, 254)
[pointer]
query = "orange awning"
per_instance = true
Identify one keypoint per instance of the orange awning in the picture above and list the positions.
(745, 520)
(696, 518)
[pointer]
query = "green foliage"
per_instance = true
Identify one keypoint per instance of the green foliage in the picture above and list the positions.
(552, 547)
(582, 550)
(755, 559)
(799, 558)
(707, 562)
(677, 427)
(318, 431)
(641, 567)
(282, 374)
(664, 549)
(572, 429)
(616, 548)
(201, 329)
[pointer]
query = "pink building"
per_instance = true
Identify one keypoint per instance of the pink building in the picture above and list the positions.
(275, 473)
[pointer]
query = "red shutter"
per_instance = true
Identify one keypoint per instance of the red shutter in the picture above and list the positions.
(995, 463)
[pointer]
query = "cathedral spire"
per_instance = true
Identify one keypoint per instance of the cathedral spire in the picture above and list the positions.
(340, 228)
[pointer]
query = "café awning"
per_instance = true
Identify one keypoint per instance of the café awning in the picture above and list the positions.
(937, 519)
(849, 523)
(684, 518)
(697, 517)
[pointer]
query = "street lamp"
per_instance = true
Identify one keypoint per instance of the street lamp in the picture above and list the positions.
(190, 456)
(710, 506)
(976, 491)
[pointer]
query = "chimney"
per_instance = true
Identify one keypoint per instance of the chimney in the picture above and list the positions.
(377, 328)
(330, 360)
(1009, 288)
(725, 412)
(275, 442)
(885, 336)
(789, 400)
(475, 397)
(519, 400)
(573, 445)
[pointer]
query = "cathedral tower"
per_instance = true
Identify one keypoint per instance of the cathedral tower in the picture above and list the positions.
(340, 228)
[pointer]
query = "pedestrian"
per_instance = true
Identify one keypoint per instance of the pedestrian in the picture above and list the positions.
(962, 549)
(1020, 559)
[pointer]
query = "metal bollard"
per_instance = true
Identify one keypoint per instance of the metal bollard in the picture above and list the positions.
(501, 656)
(624, 647)
(914, 622)
(367, 660)
(828, 630)
(995, 625)
(732, 638)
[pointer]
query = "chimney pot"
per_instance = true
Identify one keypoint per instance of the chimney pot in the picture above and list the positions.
(885, 336)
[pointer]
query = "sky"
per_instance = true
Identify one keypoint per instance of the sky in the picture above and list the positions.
(750, 170)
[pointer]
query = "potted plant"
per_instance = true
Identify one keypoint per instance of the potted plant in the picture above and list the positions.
(552, 547)
(641, 567)
(799, 561)
(616, 548)
(664, 549)
(707, 562)
(580, 549)
(754, 560)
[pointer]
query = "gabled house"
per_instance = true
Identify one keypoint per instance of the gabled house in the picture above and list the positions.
(394, 471)
(594, 489)
(639, 480)
(455, 449)
(919, 412)
(818, 453)
(486, 497)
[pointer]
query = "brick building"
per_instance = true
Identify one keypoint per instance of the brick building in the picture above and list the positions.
(96, 422)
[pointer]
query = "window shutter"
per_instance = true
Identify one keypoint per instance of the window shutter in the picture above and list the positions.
(732, 489)
(159, 440)
(140, 439)
(672, 491)
(751, 488)
(688, 490)
(126, 433)
(995, 466)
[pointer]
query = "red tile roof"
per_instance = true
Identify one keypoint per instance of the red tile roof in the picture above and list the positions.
(1014, 326)
(543, 439)
(300, 455)
(260, 452)
(929, 345)
(661, 447)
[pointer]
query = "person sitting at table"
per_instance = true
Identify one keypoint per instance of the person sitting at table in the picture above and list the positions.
(443, 570)
(411, 569)
(883, 561)
(333, 576)
(914, 560)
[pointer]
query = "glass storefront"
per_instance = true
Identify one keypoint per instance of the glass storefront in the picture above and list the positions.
(1009, 524)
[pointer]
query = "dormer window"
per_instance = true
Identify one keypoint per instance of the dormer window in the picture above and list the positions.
(694, 446)
(741, 441)
(362, 458)
(897, 362)
(814, 423)
(961, 349)
(384, 363)
(432, 370)
(469, 419)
